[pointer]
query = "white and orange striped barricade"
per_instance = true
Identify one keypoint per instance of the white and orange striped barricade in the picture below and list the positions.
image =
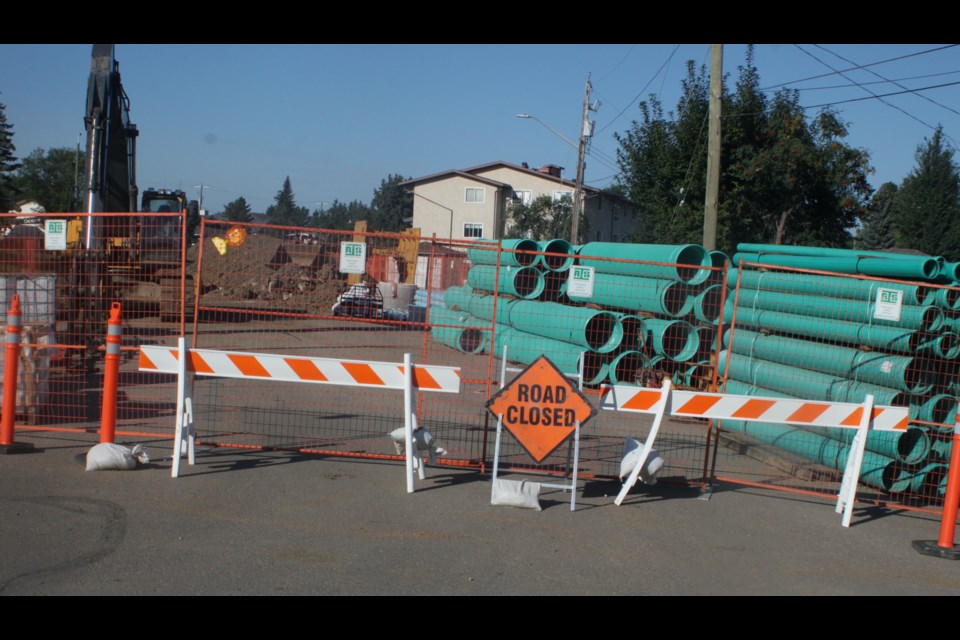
(696, 404)
(187, 363)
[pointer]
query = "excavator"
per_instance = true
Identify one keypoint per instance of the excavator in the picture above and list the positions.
(135, 259)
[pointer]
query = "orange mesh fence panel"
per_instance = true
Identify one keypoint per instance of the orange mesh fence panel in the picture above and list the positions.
(824, 336)
(309, 292)
(68, 268)
(629, 322)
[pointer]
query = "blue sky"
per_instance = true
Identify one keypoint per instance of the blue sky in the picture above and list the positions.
(337, 119)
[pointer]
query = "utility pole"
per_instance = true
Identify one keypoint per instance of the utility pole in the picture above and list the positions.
(713, 149)
(201, 187)
(586, 131)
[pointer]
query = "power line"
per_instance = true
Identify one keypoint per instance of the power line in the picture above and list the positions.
(885, 95)
(928, 99)
(617, 66)
(878, 97)
(862, 66)
(649, 82)
(851, 84)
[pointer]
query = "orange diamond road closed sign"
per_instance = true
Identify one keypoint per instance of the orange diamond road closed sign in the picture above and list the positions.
(541, 407)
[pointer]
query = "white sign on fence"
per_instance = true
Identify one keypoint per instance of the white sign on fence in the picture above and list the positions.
(353, 257)
(580, 284)
(889, 303)
(55, 235)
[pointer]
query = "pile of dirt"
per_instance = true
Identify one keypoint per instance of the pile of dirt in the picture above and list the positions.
(264, 269)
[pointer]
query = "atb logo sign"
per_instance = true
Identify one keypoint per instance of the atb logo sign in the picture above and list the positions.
(55, 235)
(888, 305)
(353, 257)
(580, 283)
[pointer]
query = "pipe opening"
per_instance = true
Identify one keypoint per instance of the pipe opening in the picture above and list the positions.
(913, 446)
(675, 337)
(592, 368)
(471, 340)
(522, 257)
(708, 304)
(558, 263)
(599, 330)
(633, 334)
(626, 367)
(674, 299)
(526, 282)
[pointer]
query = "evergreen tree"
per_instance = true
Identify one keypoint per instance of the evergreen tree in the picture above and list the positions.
(285, 211)
(8, 162)
(50, 178)
(877, 232)
(342, 215)
(927, 208)
(237, 211)
(391, 205)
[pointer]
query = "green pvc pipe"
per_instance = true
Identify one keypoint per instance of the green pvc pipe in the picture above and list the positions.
(634, 335)
(946, 345)
(623, 369)
(457, 297)
(835, 286)
(707, 342)
(706, 304)
(558, 263)
(820, 252)
(525, 348)
(591, 329)
(803, 383)
(924, 318)
(910, 447)
(482, 304)
(913, 267)
(940, 409)
(673, 339)
(946, 298)
(876, 470)
(896, 372)
(681, 263)
(523, 282)
(460, 336)
(884, 338)
(663, 297)
(517, 252)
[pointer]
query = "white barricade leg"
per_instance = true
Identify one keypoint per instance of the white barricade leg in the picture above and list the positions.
(408, 419)
(181, 403)
(851, 473)
(648, 445)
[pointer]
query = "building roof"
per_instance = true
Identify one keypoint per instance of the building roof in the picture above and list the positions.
(443, 175)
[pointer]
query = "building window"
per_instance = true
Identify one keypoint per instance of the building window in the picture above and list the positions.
(560, 195)
(472, 230)
(474, 195)
(523, 196)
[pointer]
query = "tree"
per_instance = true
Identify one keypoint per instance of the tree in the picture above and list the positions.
(8, 161)
(877, 231)
(342, 215)
(542, 219)
(927, 208)
(784, 178)
(285, 211)
(50, 178)
(391, 205)
(237, 211)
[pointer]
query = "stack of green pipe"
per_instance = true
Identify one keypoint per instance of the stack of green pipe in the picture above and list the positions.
(910, 447)
(680, 263)
(662, 297)
(517, 252)
(523, 282)
(897, 372)
(834, 286)
(482, 305)
(926, 318)
(884, 338)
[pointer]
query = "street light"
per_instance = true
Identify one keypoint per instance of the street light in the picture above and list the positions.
(578, 192)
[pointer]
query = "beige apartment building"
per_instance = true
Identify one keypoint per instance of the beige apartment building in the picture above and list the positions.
(474, 203)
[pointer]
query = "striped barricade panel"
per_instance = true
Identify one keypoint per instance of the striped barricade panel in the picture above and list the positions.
(695, 404)
(261, 366)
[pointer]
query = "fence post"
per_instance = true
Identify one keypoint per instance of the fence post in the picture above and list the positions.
(11, 365)
(944, 546)
(111, 372)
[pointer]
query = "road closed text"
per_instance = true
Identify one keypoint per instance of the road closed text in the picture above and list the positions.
(549, 410)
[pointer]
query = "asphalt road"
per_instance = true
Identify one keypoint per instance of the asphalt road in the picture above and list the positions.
(270, 523)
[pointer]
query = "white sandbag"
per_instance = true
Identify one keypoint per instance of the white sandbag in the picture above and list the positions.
(107, 456)
(632, 450)
(516, 493)
(422, 436)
